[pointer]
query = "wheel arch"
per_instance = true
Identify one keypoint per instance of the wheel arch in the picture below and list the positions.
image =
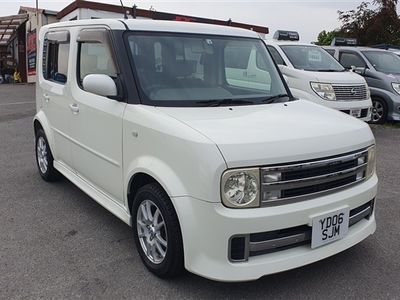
(40, 122)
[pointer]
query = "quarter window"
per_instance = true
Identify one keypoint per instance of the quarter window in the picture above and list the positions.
(276, 56)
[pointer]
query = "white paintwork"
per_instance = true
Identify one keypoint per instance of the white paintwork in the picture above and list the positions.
(99, 84)
(103, 145)
(299, 81)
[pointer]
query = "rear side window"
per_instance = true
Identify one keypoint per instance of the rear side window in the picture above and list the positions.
(55, 60)
(348, 59)
(276, 56)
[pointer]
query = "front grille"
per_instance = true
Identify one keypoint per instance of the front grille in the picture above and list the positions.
(245, 246)
(350, 92)
(291, 183)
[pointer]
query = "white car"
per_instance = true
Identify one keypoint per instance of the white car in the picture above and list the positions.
(227, 180)
(312, 74)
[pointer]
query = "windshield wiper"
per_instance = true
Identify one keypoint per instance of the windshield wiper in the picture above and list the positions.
(221, 102)
(331, 70)
(272, 99)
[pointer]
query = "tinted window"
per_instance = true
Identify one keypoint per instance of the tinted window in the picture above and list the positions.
(96, 58)
(382, 61)
(348, 59)
(311, 58)
(55, 61)
(237, 57)
(276, 56)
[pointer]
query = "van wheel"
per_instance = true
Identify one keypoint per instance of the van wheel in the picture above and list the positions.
(379, 111)
(44, 158)
(157, 232)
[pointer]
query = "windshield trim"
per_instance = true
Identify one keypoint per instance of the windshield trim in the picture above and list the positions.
(316, 47)
(193, 103)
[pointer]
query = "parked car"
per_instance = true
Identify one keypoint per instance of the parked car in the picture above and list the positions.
(312, 74)
(231, 178)
(381, 69)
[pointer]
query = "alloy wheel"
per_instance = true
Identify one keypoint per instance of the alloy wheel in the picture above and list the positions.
(152, 231)
(41, 153)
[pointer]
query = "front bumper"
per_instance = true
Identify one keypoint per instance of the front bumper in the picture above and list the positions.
(208, 227)
(345, 106)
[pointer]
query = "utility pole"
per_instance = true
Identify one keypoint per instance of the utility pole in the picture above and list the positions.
(37, 15)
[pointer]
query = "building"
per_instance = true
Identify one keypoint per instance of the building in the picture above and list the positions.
(18, 33)
(81, 9)
(18, 40)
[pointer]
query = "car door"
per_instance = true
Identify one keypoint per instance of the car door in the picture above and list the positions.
(54, 82)
(97, 120)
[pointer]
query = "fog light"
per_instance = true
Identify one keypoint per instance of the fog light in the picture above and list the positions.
(272, 195)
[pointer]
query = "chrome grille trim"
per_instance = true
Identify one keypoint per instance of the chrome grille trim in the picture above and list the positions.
(350, 92)
(310, 179)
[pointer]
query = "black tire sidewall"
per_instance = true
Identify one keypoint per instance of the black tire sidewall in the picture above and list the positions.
(385, 111)
(172, 263)
(50, 174)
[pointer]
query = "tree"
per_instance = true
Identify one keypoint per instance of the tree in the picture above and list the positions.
(370, 25)
(325, 37)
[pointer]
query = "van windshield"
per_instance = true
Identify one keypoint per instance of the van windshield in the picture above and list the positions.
(386, 62)
(311, 58)
(201, 70)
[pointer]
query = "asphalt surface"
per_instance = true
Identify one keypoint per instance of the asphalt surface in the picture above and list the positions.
(55, 242)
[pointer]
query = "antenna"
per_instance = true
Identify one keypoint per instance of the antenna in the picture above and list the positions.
(123, 7)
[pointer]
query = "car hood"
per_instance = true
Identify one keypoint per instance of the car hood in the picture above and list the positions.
(338, 77)
(275, 133)
(395, 77)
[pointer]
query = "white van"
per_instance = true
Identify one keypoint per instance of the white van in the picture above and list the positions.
(314, 75)
(228, 176)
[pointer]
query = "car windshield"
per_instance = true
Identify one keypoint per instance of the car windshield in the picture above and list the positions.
(382, 61)
(201, 70)
(311, 58)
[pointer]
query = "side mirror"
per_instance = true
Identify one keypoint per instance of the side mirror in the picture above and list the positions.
(100, 84)
(360, 71)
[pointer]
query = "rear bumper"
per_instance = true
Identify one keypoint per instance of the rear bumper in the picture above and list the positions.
(208, 227)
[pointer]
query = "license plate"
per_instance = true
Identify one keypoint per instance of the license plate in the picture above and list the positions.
(356, 113)
(329, 227)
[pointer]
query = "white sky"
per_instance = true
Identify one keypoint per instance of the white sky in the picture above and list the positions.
(307, 17)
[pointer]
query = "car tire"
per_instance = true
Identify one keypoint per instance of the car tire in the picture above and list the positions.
(44, 158)
(157, 232)
(379, 111)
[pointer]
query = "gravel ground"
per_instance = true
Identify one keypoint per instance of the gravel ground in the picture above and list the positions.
(55, 242)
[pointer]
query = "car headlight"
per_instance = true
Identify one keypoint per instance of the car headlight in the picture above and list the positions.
(371, 160)
(324, 90)
(241, 188)
(396, 87)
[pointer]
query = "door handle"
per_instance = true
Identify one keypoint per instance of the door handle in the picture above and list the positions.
(74, 108)
(46, 98)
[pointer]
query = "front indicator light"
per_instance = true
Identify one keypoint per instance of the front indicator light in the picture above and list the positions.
(371, 167)
(241, 188)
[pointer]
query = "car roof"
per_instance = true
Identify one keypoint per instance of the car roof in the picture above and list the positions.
(288, 43)
(161, 26)
(359, 48)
